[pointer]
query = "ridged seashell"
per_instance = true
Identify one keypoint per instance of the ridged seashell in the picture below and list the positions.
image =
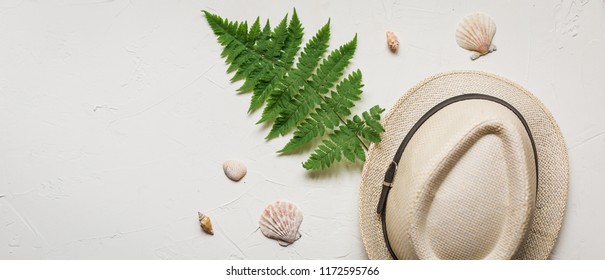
(280, 221)
(234, 170)
(475, 33)
(205, 223)
(392, 41)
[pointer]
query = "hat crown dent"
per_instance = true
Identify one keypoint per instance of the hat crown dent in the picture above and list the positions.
(466, 186)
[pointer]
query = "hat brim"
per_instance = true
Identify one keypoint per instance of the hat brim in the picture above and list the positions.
(553, 169)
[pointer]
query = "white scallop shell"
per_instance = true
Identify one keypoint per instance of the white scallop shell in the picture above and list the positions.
(234, 170)
(280, 221)
(392, 41)
(475, 33)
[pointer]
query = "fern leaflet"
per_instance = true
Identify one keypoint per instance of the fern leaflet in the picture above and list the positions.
(345, 140)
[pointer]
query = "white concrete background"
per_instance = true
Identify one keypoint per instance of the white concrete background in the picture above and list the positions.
(115, 117)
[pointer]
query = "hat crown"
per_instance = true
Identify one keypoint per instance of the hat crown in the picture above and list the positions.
(551, 157)
(465, 186)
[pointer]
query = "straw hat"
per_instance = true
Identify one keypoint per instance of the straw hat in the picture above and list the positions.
(471, 166)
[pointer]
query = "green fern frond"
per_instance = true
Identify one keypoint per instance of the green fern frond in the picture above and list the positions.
(307, 62)
(341, 142)
(311, 128)
(309, 96)
(329, 114)
(293, 41)
(332, 68)
(347, 140)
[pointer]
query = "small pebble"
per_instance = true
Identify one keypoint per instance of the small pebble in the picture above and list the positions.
(234, 170)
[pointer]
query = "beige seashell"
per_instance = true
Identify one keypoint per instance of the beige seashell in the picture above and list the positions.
(280, 221)
(475, 33)
(205, 223)
(234, 170)
(392, 41)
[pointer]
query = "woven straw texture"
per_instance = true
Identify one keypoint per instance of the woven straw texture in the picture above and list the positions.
(466, 186)
(553, 177)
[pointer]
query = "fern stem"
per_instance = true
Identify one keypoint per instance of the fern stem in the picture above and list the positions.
(362, 143)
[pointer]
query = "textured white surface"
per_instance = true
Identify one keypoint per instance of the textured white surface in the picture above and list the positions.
(116, 116)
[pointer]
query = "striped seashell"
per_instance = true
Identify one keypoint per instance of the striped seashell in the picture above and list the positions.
(280, 221)
(475, 33)
(205, 223)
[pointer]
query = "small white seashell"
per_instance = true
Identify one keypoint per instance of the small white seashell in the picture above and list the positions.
(280, 221)
(205, 223)
(475, 33)
(234, 170)
(392, 41)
